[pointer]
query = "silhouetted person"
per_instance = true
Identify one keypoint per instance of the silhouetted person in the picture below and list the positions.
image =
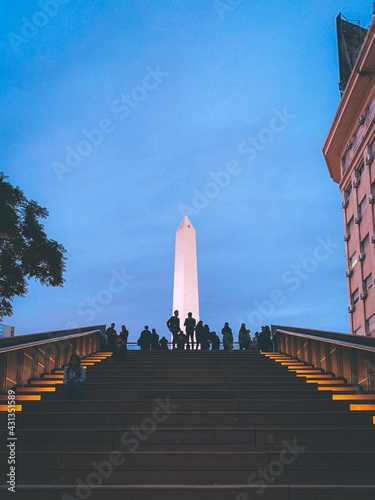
(163, 344)
(181, 340)
(255, 341)
(189, 325)
(74, 378)
(244, 338)
(215, 341)
(111, 336)
(154, 339)
(264, 339)
(205, 342)
(124, 334)
(144, 340)
(173, 325)
(120, 350)
(227, 337)
(199, 333)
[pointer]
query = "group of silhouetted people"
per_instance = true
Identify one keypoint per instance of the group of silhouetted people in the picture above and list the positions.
(75, 375)
(116, 343)
(149, 340)
(204, 338)
(196, 335)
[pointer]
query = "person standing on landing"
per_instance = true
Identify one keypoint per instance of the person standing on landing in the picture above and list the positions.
(189, 325)
(173, 325)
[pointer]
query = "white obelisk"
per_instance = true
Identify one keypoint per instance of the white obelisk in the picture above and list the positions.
(185, 288)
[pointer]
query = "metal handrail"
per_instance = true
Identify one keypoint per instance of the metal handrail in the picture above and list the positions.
(326, 339)
(47, 341)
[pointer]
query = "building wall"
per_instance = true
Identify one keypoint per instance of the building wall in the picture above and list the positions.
(7, 331)
(349, 151)
(358, 193)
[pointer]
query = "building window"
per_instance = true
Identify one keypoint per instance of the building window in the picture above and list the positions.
(362, 206)
(345, 162)
(370, 153)
(359, 171)
(367, 282)
(349, 228)
(365, 243)
(355, 296)
(353, 261)
(346, 193)
(370, 325)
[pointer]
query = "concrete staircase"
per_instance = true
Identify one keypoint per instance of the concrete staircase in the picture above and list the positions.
(195, 425)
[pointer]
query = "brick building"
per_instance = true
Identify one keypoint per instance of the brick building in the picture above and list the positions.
(349, 151)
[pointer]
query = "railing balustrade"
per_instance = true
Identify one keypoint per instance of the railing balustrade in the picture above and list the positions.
(29, 356)
(348, 356)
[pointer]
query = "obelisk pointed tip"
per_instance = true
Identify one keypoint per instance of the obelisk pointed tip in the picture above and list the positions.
(186, 222)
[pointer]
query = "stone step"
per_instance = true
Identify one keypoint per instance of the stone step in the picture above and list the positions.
(203, 476)
(196, 492)
(151, 437)
(205, 386)
(192, 419)
(191, 460)
(191, 379)
(113, 394)
(185, 405)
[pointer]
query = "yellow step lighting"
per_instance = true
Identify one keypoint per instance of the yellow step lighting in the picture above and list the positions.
(293, 364)
(356, 407)
(46, 382)
(5, 407)
(354, 397)
(275, 355)
(336, 388)
(35, 397)
(317, 376)
(306, 370)
(283, 359)
(35, 389)
(327, 382)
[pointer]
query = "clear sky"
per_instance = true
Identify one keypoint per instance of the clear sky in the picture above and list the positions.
(120, 117)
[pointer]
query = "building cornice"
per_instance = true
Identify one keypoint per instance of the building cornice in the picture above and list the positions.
(355, 92)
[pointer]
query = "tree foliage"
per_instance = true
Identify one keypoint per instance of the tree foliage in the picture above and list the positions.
(25, 250)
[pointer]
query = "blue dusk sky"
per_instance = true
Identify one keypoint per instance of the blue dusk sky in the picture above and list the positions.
(120, 117)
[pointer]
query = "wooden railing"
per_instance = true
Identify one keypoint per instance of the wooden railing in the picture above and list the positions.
(348, 356)
(28, 356)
